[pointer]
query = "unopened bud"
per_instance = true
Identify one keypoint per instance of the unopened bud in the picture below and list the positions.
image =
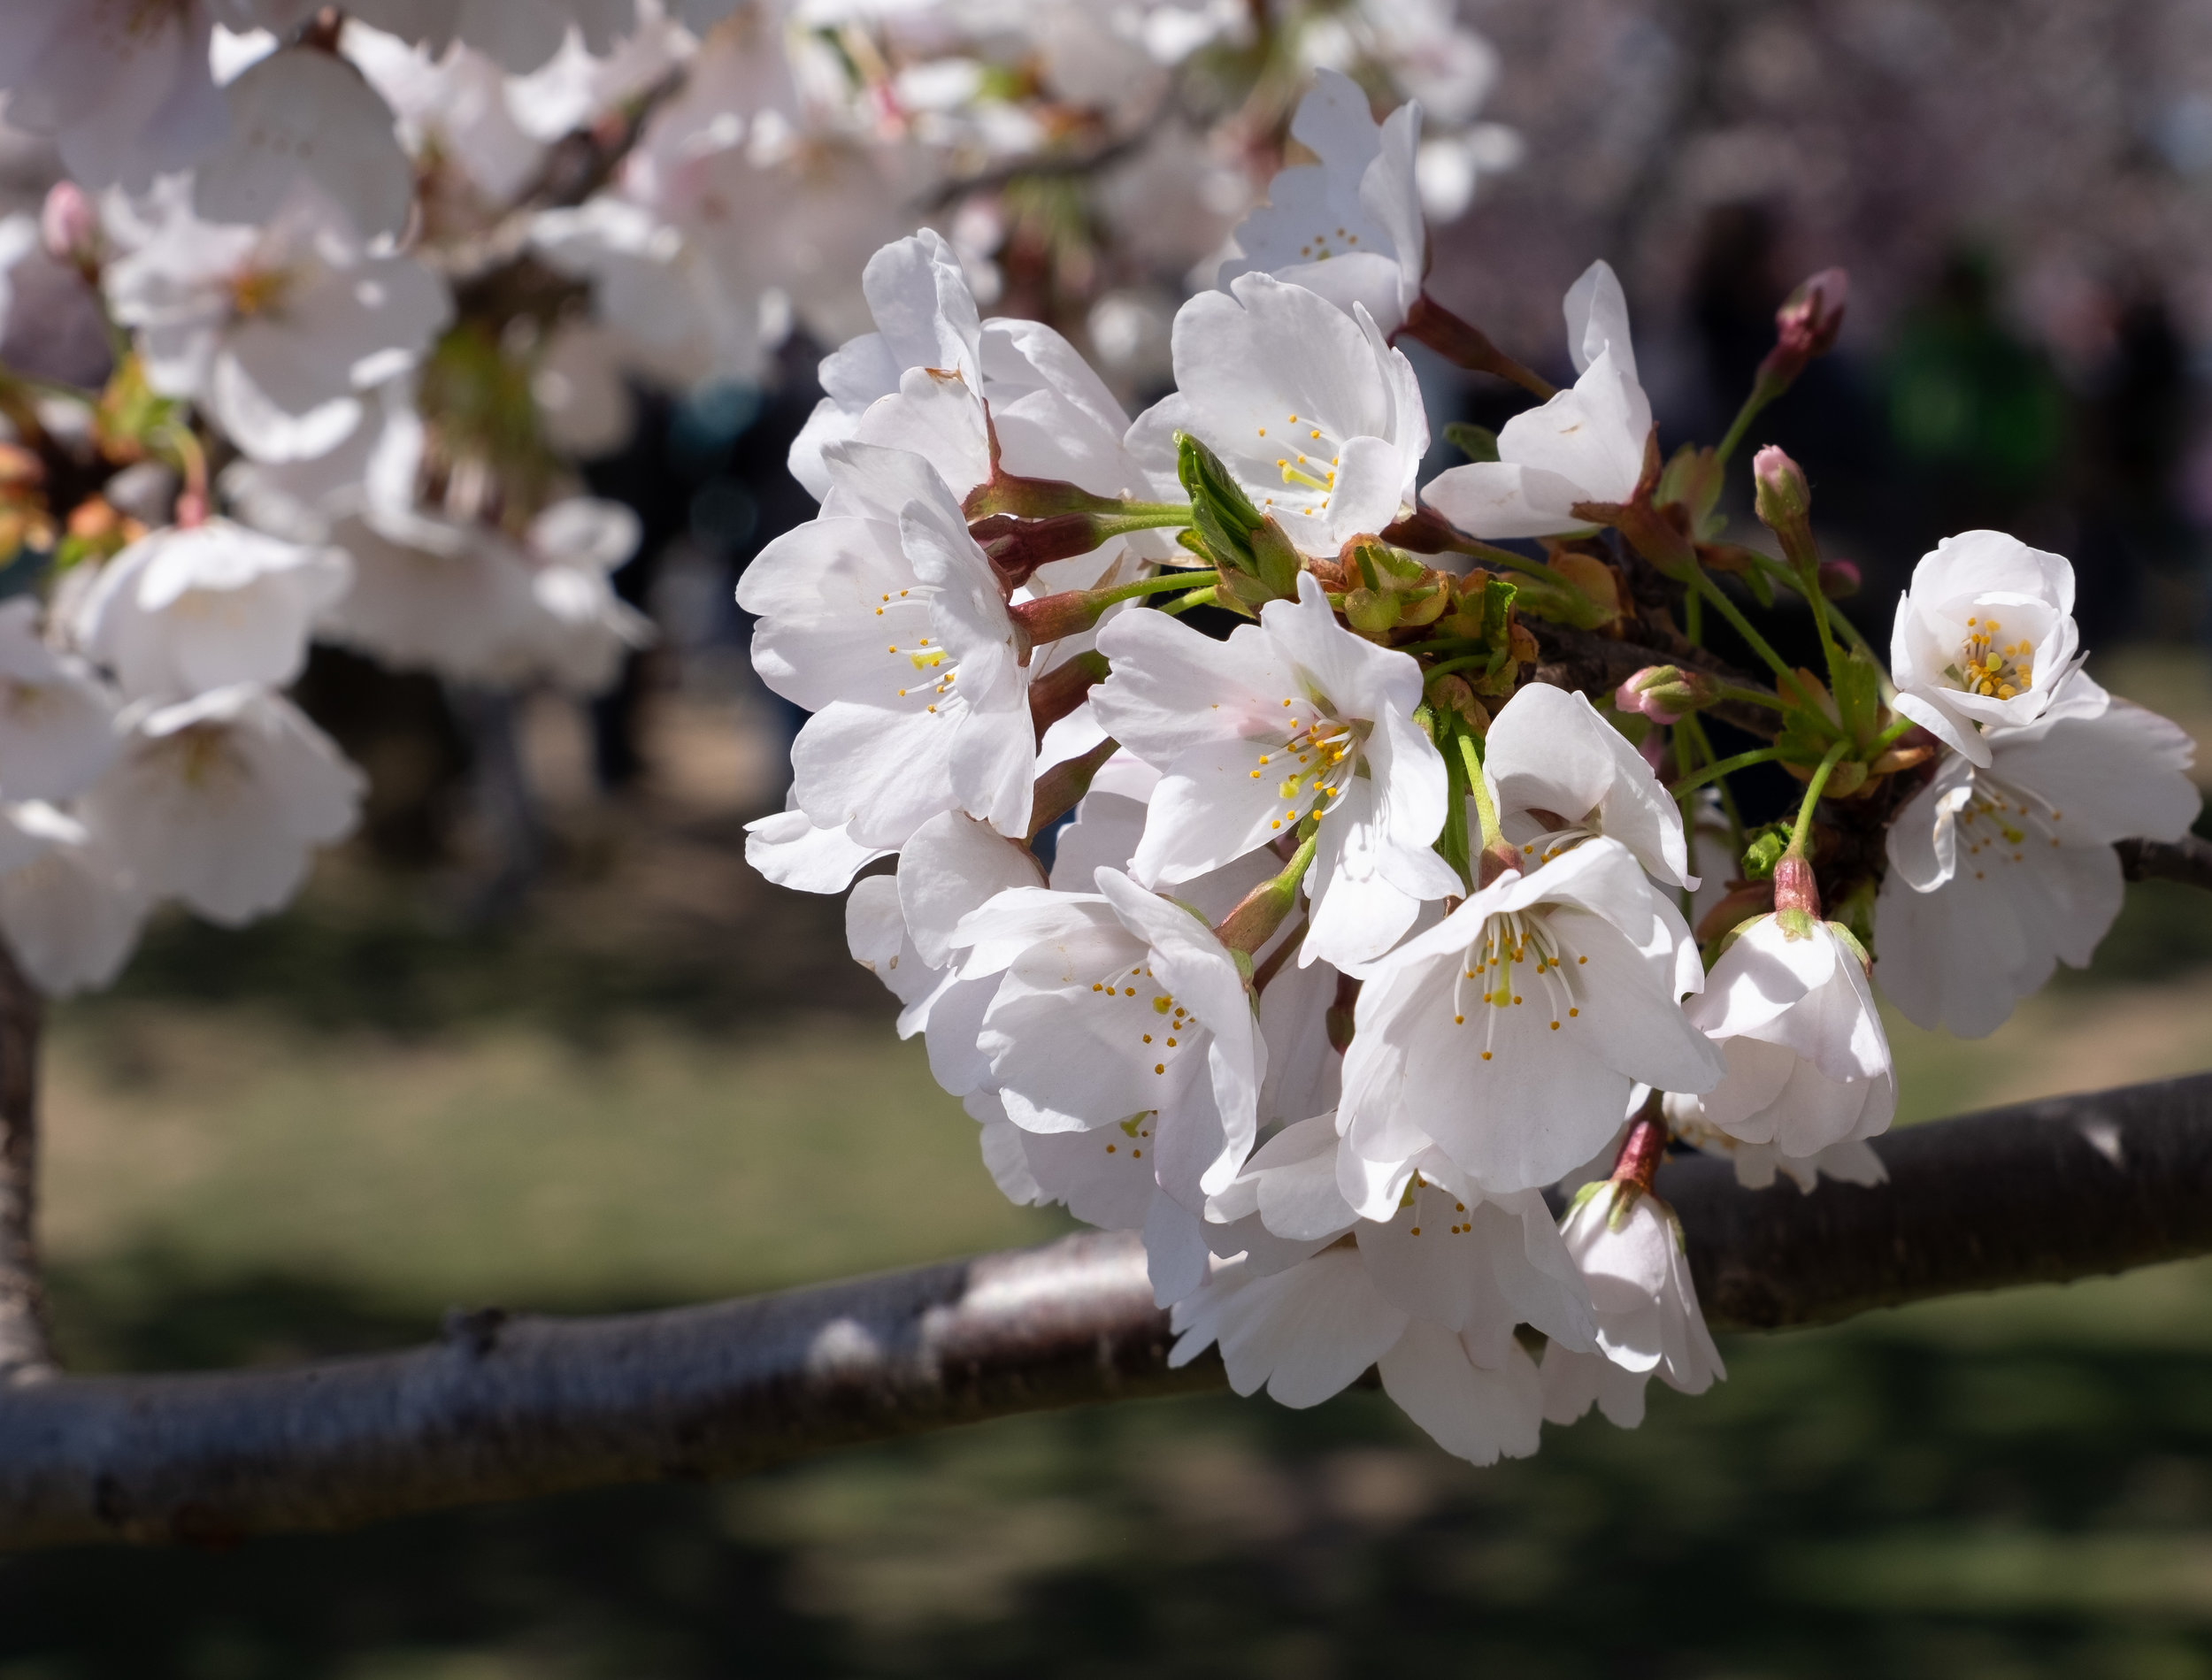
(1811, 316)
(1783, 493)
(1805, 326)
(1666, 693)
(68, 226)
(1839, 579)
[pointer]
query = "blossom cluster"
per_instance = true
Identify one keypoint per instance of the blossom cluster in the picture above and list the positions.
(1368, 927)
(375, 278)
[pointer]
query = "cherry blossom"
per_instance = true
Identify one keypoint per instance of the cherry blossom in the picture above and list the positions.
(1291, 718)
(1629, 1247)
(1792, 1008)
(185, 610)
(1586, 444)
(1450, 1053)
(219, 800)
(939, 720)
(1998, 873)
(1560, 774)
(1985, 637)
(122, 88)
(56, 719)
(276, 328)
(1349, 226)
(69, 911)
(1319, 420)
(303, 116)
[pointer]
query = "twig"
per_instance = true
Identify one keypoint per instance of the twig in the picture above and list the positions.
(506, 1408)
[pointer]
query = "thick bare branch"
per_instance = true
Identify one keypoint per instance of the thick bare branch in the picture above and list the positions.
(502, 1407)
(24, 1356)
(2187, 860)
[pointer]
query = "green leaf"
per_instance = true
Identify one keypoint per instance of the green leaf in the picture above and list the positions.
(1762, 850)
(1476, 442)
(1858, 687)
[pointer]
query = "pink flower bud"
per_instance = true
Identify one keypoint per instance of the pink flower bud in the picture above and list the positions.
(67, 225)
(1839, 579)
(1811, 316)
(1666, 693)
(1783, 493)
(1805, 326)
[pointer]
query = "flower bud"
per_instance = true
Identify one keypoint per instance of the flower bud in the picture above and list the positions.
(1805, 326)
(1783, 502)
(1839, 579)
(68, 226)
(1666, 693)
(1811, 316)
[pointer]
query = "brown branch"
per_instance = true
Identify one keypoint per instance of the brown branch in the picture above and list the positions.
(505, 1408)
(24, 1355)
(2187, 860)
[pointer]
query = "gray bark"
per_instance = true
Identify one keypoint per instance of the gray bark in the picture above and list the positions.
(502, 1407)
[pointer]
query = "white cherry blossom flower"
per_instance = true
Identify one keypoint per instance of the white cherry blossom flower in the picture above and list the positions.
(1983, 638)
(1998, 873)
(1560, 773)
(56, 719)
(1852, 1161)
(187, 609)
(1317, 418)
(1291, 718)
(1509, 1034)
(884, 618)
(302, 115)
(521, 34)
(1349, 226)
(122, 88)
(1791, 1006)
(1629, 1247)
(1586, 444)
(1122, 1019)
(1430, 1297)
(276, 329)
(69, 911)
(453, 109)
(219, 801)
(926, 318)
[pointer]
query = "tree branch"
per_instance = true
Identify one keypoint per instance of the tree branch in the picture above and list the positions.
(2187, 860)
(24, 1355)
(504, 1408)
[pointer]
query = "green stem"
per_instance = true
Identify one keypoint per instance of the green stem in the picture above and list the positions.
(1743, 626)
(1726, 767)
(1486, 808)
(1444, 668)
(1752, 696)
(1727, 793)
(1890, 736)
(1165, 581)
(1693, 619)
(1445, 645)
(1205, 597)
(1812, 797)
(1741, 424)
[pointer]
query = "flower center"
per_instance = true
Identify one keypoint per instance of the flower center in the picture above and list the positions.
(1324, 755)
(1991, 666)
(919, 666)
(257, 291)
(2000, 823)
(1307, 462)
(1511, 942)
(1162, 1027)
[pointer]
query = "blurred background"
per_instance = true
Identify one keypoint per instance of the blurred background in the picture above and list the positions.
(575, 1057)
